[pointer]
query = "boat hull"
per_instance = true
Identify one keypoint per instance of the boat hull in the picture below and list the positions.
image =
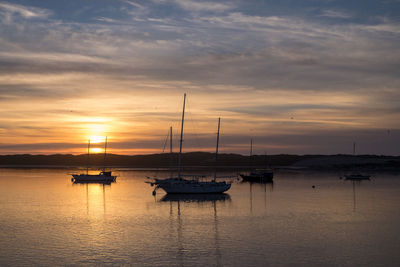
(258, 178)
(357, 177)
(195, 197)
(79, 178)
(174, 186)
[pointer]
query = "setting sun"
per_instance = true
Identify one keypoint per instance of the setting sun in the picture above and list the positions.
(96, 150)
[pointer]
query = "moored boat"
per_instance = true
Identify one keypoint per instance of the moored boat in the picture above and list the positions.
(102, 177)
(357, 176)
(187, 186)
(195, 197)
(259, 175)
(179, 185)
(265, 175)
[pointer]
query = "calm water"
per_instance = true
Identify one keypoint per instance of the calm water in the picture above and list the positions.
(46, 220)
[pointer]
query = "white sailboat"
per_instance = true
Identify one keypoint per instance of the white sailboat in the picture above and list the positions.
(102, 177)
(179, 185)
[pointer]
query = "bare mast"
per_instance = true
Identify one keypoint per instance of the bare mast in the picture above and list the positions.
(181, 139)
(251, 147)
(170, 152)
(216, 150)
(87, 163)
(251, 152)
(105, 152)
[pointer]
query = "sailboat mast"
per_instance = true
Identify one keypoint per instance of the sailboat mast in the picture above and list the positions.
(170, 152)
(105, 152)
(216, 150)
(251, 152)
(181, 139)
(354, 148)
(251, 147)
(87, 163)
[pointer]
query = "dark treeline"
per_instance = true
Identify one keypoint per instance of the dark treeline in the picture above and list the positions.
(153, 160)
(203, 159)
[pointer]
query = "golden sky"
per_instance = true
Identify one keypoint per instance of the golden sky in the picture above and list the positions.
(294, 81)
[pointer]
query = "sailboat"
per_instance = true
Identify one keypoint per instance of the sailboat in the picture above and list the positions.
(179, 185)
(103, 177)
(356, 175)
(258, 175)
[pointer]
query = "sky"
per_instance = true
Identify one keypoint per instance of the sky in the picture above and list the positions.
(296, 76)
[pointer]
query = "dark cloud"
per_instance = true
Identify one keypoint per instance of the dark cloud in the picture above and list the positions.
(37, 147)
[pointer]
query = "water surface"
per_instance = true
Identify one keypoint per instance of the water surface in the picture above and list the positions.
(46, 220)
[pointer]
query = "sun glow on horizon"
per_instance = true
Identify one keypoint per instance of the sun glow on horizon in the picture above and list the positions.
(94, 139)
(94, 129)
(96, 150)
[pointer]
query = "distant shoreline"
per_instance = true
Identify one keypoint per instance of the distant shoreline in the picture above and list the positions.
(204, 161)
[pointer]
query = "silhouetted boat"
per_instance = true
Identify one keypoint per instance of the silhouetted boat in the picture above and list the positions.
(259, 175)
(195, 197)
(357, 176)
(103, 182)
(354, 175)
(186, 186)
(102, 177)
(265, 175)
(179, 185)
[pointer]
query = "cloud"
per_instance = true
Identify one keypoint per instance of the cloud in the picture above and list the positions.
(332, 13)
(390, 27)
(52, 57)
(191, 5)
(134, 4)
(285, 52)
(24, 11)
(109, 20)
(377, 141)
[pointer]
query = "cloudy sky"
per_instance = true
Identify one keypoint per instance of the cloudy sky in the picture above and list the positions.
(304, 76)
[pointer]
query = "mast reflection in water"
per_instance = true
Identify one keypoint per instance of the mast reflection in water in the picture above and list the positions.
(182, 201)
(95, 196)
(356, 183)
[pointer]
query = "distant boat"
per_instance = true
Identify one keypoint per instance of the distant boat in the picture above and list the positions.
(103, 177)
(259, 175)
(357, 176)
(179, 185)
(265, 175)
(195, 197)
